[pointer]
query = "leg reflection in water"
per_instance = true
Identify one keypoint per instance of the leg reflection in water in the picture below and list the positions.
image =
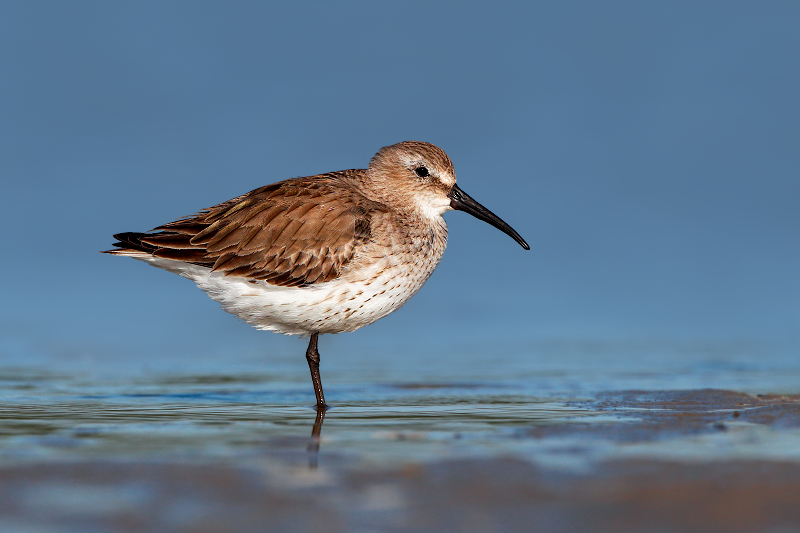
(313, 443)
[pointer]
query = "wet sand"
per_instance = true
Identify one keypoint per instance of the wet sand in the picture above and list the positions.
(649, 461)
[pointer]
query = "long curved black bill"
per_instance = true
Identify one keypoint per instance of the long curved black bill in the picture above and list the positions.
(464, 202)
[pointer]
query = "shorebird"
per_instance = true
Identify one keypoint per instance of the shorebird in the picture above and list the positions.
(319, 254)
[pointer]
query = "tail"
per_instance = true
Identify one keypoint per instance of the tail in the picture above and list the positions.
(130, 243)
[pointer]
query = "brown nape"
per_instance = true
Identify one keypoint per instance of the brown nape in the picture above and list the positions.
(293, 233)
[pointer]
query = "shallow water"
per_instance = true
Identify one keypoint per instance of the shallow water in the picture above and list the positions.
(400, 410)
(570, 436)
(231, 417)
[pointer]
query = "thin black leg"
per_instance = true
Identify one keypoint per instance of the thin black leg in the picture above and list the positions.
(312, 356)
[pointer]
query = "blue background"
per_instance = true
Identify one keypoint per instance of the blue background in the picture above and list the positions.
(649, 152)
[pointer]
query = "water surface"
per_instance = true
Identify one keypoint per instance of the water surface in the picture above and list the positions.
(394, 411)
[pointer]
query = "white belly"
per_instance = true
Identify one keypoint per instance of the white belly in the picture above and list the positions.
(345, 304)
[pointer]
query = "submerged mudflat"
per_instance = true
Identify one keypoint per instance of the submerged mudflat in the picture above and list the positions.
(217, 451)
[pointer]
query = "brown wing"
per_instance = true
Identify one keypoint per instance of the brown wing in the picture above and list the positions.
(292, 233)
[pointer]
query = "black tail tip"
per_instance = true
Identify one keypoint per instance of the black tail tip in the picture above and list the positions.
(132, 240)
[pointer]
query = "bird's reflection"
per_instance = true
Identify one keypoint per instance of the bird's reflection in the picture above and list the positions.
(313, 443)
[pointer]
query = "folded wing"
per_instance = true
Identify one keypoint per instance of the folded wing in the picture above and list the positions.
(296, 232)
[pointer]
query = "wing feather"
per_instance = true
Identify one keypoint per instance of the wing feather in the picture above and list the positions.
(292, 233)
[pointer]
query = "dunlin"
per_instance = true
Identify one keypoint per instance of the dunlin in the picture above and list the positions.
(320, 254)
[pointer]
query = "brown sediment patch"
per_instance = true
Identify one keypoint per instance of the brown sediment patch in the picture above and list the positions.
(652, 415)
(781, 411)
(468, 495)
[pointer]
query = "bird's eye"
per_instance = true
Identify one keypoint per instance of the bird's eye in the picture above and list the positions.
(422, 172)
